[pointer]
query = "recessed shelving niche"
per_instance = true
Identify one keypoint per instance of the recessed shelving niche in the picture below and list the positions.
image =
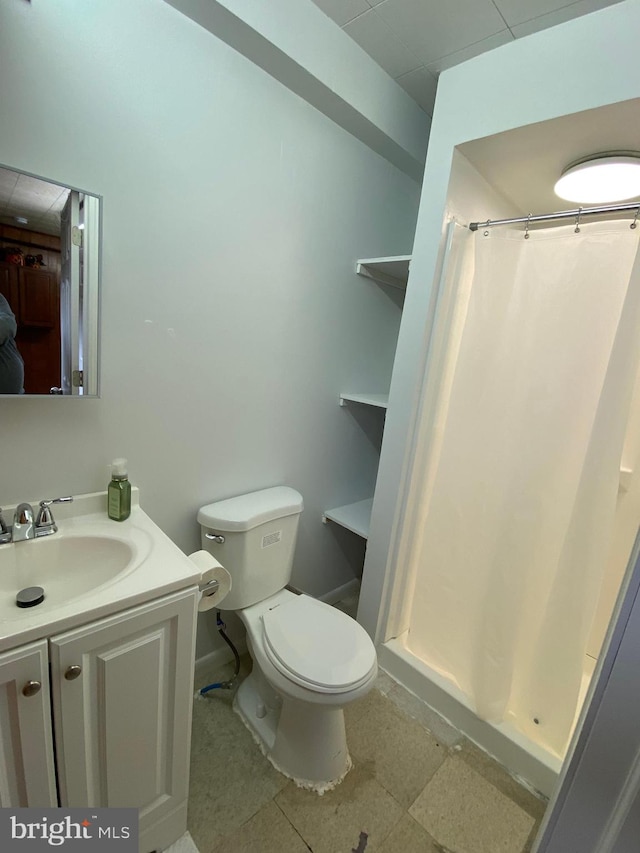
(392, 271)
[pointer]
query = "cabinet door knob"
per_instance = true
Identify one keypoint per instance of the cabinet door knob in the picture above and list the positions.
(72, 672)
(31, 688)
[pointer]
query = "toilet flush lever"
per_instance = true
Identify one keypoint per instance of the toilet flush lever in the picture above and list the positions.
(215, 537)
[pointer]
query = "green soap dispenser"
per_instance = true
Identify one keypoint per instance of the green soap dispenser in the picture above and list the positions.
(119, 491)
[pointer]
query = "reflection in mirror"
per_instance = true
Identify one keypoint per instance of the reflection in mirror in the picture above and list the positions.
(49, 273)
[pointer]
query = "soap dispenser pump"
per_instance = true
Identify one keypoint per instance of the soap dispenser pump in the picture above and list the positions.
(119, 491)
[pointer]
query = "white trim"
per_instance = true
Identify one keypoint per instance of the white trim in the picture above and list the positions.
(91, 295)
(340, 592)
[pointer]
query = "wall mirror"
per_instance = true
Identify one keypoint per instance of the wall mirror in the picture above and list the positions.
(49, 276)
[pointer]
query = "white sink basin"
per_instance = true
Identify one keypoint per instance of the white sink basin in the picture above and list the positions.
(92, 567)
(64, 566)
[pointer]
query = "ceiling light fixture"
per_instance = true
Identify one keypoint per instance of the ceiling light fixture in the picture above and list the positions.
(601, 178)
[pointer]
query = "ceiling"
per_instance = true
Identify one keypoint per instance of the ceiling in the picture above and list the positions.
(414, 40)
(524, 164)
(37, 201)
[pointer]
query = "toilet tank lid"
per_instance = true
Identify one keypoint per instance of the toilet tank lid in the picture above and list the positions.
(246, 511)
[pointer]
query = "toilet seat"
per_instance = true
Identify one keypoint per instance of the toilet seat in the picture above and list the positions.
(317, 646)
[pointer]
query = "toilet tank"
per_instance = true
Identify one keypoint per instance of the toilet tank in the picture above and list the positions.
(259, 531)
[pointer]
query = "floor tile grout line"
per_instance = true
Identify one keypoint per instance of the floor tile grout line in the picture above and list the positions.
(295, 829)
(405, 813)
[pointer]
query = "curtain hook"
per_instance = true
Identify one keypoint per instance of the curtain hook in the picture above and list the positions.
(487, 224)
(526, 228)
(577, 228)
(634, 224)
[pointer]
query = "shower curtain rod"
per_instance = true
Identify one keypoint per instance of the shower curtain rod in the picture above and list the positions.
(561, 214)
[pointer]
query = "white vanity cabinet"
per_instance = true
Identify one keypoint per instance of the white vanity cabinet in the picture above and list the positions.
(121, 690)
(27, 772)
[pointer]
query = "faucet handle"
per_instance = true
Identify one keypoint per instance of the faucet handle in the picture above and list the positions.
(5, 533)
(44, 521)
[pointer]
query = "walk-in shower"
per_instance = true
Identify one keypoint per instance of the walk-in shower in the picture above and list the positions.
(525, 414)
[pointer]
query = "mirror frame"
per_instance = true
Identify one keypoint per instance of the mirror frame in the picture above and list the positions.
(91, 304)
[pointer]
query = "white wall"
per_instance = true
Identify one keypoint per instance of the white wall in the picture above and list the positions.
(303, 48)
(471, 198)
(231, 315)
(583, 64)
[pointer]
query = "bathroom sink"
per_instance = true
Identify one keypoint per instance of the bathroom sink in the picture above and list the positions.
(65, 567)
(90, 568)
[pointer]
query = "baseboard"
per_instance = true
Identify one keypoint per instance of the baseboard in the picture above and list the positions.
(335, 595)
(165, 832)
(216, 658)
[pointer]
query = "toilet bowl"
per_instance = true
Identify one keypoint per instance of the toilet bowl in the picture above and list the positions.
(309, 659)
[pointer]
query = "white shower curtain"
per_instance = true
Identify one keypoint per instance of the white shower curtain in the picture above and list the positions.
(522, 483)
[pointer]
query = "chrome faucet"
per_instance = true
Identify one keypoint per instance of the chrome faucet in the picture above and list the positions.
(23, 526)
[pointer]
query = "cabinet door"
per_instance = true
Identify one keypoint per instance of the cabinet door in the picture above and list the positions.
(27, 775)
(39, 298)
(123, 719)
(9, 285)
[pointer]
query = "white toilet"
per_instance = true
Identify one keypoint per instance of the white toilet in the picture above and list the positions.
(309, 659)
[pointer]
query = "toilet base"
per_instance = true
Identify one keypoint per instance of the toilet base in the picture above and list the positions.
(305, 742)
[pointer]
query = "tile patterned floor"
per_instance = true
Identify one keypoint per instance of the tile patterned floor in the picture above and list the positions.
(417, 786)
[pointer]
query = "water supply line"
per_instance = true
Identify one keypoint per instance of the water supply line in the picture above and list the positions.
(224, 685)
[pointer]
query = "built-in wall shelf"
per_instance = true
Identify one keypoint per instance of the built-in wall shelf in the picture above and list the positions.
(355, 517)
(625, 479)
(380, 401)
(393, 270)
